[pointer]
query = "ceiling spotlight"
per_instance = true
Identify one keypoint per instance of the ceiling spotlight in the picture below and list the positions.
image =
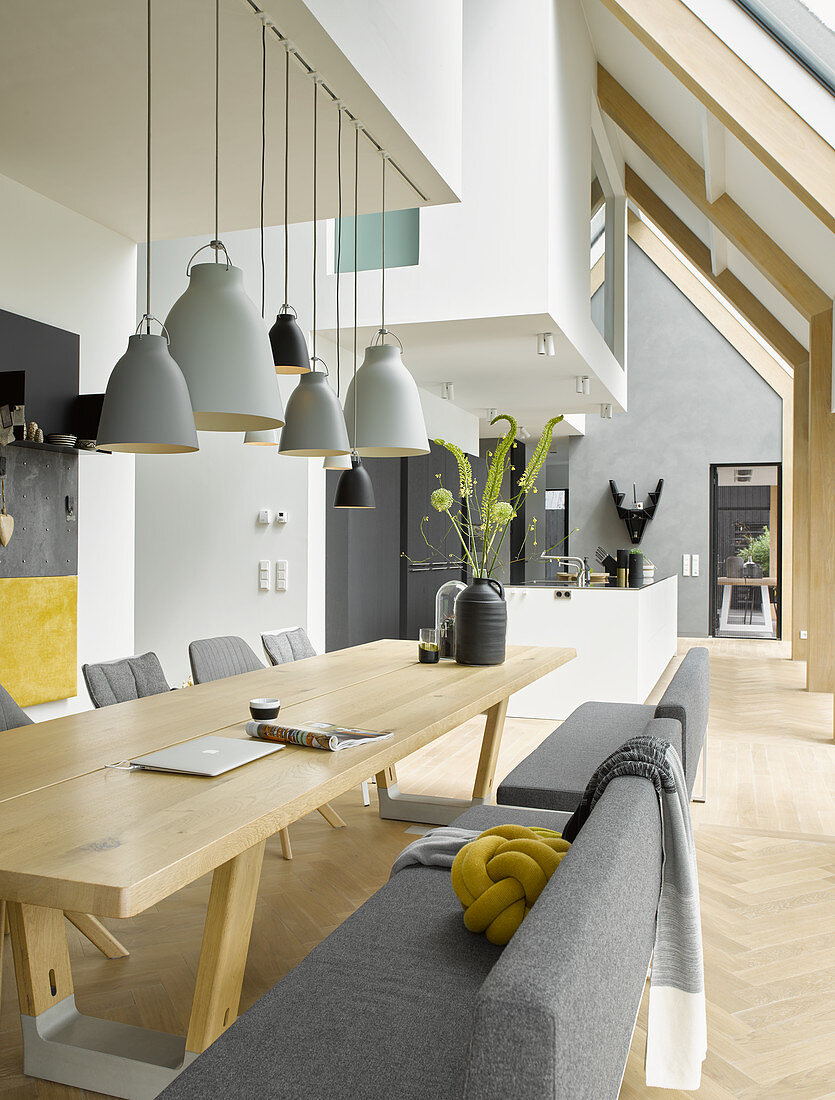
(490, 414)
(545, 344)
(448, 391)
(523, 433)
(583, 384)
(605, 412)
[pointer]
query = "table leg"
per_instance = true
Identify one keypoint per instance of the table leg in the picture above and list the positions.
(432, 810)
(766, 602)
(220, 973)
(486, 772)
(724, 614)
(3, 920)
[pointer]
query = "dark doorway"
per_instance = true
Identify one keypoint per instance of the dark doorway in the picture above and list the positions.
(745, 540)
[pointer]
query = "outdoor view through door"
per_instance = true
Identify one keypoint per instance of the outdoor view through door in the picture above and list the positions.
(745, 525)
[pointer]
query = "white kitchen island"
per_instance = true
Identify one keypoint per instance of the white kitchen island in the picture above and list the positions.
(624, 637)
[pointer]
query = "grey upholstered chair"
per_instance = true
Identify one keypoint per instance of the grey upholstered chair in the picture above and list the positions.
(292, 644)
(289, 644)
(128, 678)
(11, 717)
(217, 658)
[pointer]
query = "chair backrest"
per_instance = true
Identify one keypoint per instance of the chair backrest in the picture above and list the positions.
(290, 644)
(687, 699)
(733, 566)
(11, 716)
(127, 678)
(216, 658)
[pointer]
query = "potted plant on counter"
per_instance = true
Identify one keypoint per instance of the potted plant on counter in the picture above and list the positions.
(481, 523)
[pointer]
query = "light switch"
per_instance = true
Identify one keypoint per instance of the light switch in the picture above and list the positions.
(265, 516)
(264, 575)
(694, 565)
(281, 576)
(685, 565)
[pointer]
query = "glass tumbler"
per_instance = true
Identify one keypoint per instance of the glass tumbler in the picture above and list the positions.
(428, 646)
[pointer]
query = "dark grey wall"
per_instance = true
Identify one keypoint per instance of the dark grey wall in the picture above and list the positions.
(693, 400)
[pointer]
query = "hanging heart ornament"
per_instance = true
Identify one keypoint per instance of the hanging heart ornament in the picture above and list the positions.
(6, 521)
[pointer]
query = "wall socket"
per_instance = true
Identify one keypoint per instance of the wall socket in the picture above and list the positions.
(804, 634)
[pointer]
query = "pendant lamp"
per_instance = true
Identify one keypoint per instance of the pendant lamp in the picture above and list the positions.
(383, 395)
(147, 408)
(315, 422)
(354, 488)
(337, 462)
(289, 349)
(268, 438)
(218, 336)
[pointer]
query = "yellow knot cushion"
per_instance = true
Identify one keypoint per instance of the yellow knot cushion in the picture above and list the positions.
(499, 875)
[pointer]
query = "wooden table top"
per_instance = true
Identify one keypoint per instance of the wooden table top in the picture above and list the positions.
(80, 836)
(750, 582)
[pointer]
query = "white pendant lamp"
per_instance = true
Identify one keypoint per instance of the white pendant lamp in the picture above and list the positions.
(354, 488)
(290, 353)
(147, 409)
(383, 395)
(218, 337)
(315, 423)
(337, 462)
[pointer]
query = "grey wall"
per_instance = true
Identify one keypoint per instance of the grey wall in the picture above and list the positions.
(693, 400)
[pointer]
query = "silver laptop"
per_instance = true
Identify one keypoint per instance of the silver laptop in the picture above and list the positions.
(206, 756)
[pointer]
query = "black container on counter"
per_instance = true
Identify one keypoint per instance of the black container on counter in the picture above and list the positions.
(636, 570)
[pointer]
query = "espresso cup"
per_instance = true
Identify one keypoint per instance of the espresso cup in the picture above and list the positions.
(264, 710)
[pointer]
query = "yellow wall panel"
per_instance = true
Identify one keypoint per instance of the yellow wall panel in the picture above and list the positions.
(38, 638)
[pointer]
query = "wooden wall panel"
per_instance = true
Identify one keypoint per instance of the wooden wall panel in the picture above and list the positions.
(821, 657)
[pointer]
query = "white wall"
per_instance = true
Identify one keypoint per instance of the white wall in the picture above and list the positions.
(198, 543)
(60, 268)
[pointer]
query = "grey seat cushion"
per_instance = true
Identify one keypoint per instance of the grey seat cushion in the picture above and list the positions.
(216, 658)
(11, 715)
(555, 775)
(283, 646)
(128, 678)
(401, 1001)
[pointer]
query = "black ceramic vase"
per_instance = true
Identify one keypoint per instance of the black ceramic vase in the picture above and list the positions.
(481, 623)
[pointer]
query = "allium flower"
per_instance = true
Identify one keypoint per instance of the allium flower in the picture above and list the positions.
(502, 513)
(441, 500)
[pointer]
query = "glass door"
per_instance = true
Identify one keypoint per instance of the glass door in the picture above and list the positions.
(745, 527)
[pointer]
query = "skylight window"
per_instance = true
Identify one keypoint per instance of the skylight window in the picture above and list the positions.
(804, 28)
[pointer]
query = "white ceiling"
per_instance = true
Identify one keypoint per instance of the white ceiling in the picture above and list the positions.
(790, 224)
(493, 363)
(72, 115)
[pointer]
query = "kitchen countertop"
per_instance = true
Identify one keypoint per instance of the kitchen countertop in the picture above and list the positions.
(589, 588)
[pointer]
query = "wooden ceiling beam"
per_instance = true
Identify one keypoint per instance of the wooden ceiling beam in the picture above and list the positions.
(728, 217)
(697, 252)
(751, 110)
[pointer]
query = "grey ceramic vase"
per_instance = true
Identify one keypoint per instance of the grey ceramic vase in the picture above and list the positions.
(481, 623)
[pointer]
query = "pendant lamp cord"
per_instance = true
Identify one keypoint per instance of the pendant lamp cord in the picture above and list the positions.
(286, 173)
(383, 258)
(263, 154)
(315, 199)
(339, 234)
(217, 124)
(148, 196)
(356, 268)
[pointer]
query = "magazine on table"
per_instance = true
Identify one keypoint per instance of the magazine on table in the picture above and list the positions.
(315, 735)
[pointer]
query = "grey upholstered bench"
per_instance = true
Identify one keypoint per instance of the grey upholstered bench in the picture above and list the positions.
(402, 1002)
(555, 775)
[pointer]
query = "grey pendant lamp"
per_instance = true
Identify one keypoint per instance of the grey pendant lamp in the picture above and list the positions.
(315, 423)
(289, 349)
(269, 437)
(218, 336)
(390, 420)
(147, 408)
(354, 488)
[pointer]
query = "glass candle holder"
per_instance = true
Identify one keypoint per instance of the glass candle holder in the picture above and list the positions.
(428, 646)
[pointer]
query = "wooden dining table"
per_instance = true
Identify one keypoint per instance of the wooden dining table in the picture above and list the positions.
(79, 835)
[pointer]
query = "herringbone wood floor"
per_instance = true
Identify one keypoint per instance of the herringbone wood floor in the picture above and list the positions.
(766, 845)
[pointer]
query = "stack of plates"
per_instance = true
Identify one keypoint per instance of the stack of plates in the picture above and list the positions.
(59, 440)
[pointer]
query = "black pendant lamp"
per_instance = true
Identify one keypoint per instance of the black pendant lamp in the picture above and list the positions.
(290, 353)
(354, 488)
